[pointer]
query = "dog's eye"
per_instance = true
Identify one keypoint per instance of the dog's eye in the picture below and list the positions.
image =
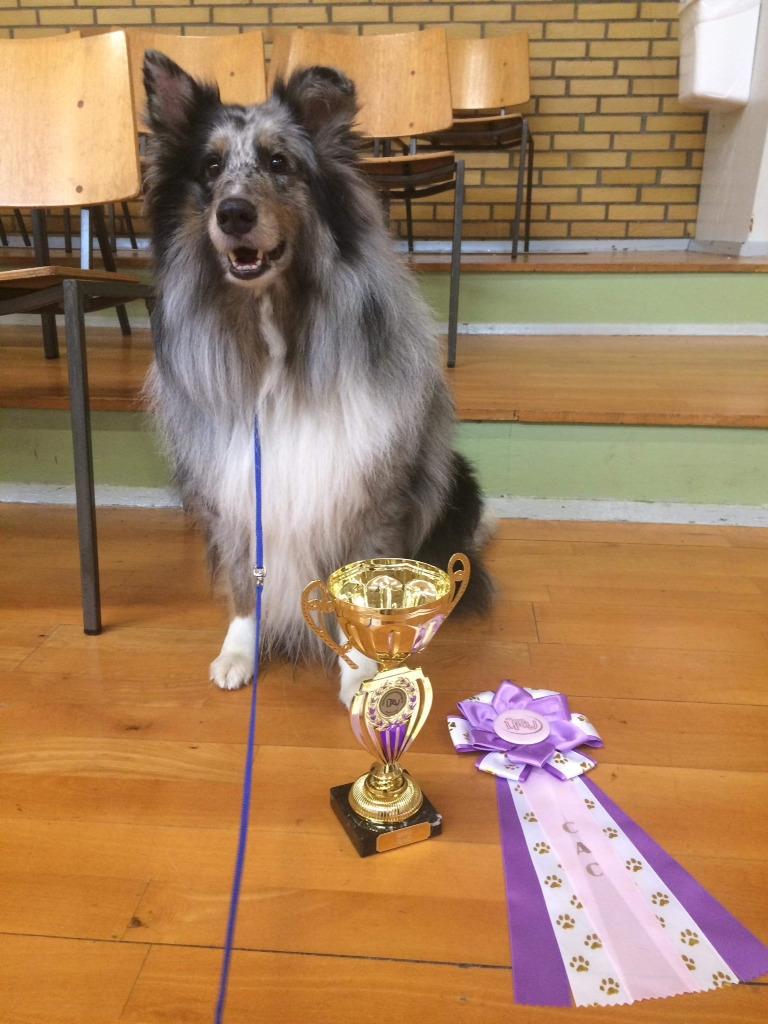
(278, 163)
(213, 167)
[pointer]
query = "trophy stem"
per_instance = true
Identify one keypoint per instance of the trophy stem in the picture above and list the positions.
(386, 794)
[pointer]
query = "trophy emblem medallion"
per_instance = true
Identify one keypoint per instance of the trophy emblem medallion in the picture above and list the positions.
(387, 609)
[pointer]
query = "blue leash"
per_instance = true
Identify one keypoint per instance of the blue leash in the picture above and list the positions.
(245, 811)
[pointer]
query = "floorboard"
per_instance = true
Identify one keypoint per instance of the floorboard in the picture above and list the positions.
(666, 381)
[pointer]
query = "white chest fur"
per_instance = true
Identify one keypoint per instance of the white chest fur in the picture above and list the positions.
(317, 460)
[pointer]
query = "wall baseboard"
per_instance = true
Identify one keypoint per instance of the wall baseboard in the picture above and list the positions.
(614, 330)
(575, 329)
(607, 511)
(566, 509)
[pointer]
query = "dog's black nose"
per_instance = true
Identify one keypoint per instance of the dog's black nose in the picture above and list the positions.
(235, 216)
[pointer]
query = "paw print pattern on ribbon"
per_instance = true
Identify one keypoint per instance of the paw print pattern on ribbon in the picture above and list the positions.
(541, 848)
(660, 899)
(611, 832)
(661, 921)
(553, 881)
(633, 864)
(590, 803)
(529, 816)
(689, 938)
(519, 789)
(720, 978)
(559, 759)
(610, 986)
(566, 921)
(689, 962)
(579, 963)
(592, 941)
(576, 903)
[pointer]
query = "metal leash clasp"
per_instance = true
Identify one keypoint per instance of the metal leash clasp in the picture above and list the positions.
(259, 575)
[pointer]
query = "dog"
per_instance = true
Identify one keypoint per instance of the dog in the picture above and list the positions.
(280, 296)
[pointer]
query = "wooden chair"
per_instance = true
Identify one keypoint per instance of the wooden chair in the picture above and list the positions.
(67, 110)
(234, 62)
(488, 77)
(404, 94)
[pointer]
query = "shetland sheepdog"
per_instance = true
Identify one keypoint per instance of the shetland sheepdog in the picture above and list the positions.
(280, 296)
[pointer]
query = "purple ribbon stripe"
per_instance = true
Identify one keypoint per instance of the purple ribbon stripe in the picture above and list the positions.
(538, 971)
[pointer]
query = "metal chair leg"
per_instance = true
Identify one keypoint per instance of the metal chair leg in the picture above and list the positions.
(409, 222)
(128, 222)
(453, 301)
(529, 198)
(81, 443)
(520, 183)
(108, 256)
(42, 255)
(22, 226)
(67, 230)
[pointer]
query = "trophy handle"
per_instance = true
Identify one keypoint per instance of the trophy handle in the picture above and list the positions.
(311, 606)
(459, 570)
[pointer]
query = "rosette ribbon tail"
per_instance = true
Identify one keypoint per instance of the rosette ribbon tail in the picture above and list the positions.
(598, 912)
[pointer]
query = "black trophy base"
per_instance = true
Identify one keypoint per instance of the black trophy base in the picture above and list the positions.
(368, 837)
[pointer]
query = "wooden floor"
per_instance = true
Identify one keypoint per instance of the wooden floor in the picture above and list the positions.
(677, 381)
(120, 773)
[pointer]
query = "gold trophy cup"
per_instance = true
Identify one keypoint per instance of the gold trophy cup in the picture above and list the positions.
(388, 609)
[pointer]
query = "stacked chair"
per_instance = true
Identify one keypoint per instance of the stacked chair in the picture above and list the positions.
(488, 77)
(404, 93)
(66, 102)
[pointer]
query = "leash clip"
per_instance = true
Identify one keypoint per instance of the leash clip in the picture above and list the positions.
(259, 575)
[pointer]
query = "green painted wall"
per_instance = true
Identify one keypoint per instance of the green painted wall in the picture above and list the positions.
(591, 298)
(684, 464)
(603, 298)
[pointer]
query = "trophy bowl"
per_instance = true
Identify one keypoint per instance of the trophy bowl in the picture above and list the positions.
(387, 609)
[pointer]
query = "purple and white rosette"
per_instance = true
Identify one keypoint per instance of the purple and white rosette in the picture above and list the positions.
(518, 729)
(599, 913)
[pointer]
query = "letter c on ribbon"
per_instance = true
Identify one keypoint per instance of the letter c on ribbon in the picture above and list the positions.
(594, 869)
(568, 826)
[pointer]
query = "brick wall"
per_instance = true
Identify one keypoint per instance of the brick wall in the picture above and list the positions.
(616, 156)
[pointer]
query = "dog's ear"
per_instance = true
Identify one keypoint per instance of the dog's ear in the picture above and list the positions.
(318, 95)
(173, 96)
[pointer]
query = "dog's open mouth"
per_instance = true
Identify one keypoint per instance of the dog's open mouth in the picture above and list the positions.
(248, 264)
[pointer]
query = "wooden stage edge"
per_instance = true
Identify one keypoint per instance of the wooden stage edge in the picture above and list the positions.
(586, 262)
(658, 381)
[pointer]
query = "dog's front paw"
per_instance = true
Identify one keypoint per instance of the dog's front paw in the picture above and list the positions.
(231, 670)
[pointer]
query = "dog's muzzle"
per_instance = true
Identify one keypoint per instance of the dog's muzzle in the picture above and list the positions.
(236, 217)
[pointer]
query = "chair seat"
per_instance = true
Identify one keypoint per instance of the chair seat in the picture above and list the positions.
(34, 278)
(480, 132)
(491, 120)
(395, 164)
(412, 175)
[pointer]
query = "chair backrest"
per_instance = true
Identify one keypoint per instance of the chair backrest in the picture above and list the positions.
(489, 74)
(234, 62)
(402, 78)
(69, 132)
(278, 60)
